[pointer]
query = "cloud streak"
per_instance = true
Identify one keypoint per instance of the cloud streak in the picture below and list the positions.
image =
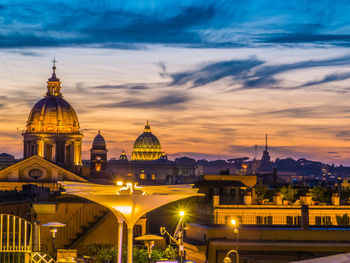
(213, 23)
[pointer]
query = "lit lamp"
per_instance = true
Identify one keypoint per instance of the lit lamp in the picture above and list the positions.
(149, 243)
(227, 259)
(234, 224)
(53, 229)
(181, 233)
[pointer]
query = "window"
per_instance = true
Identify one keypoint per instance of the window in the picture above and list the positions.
(35, 173)
(137, 230)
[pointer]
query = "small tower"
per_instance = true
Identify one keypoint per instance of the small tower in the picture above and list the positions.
(98, 156)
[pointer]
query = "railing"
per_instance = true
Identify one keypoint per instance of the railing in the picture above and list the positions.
(260, 218)
(15, 234)
(39, 257)
(84, 217)
(329, 219)
(283, 217)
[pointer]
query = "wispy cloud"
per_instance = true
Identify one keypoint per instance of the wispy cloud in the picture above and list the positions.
(169, 101)
(213, 23)
(213, 72)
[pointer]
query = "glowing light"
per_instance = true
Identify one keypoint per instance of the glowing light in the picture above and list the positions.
(124, 209)
(120, 183)
(182, 213)
(129, 185)
(233, 222)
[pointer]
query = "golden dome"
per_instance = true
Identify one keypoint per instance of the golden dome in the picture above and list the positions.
(53, 114)
(146, 147)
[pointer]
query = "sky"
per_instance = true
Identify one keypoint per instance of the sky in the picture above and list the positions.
(212, 77)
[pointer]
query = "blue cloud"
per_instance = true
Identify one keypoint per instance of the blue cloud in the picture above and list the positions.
(120, 24)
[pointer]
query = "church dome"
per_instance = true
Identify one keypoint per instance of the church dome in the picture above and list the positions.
(53, 114)
(99, 141)
(146, 147)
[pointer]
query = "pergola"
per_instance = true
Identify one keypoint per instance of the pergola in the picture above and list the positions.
(129, 202)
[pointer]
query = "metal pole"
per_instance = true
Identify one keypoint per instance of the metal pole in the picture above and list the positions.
(130, 242)
(120, 241)
(53, 247)
(181, 247)
(237, 240)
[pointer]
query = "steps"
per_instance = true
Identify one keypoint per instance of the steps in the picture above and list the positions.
(80, 224)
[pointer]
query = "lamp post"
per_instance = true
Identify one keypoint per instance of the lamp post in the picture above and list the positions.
(181, 236)
(53, 229)
(234, 224)
(149, 243)
(178, 237)
(227, 259)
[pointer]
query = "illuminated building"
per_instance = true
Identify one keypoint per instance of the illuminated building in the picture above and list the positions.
(146, 147)
(98, 156)
(52, 130)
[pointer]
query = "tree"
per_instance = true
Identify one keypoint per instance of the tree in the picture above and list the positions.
(171, 253)
(288, 193)
(261, 191)
(318, 193)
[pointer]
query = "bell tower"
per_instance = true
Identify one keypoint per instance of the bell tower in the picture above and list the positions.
(98, 156)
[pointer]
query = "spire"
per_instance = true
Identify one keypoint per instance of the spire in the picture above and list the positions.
(99, 132)
(53, 77)
(266, 142)
(54, 84)
(147, 127)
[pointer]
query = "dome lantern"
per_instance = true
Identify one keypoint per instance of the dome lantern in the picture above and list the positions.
(53, 83)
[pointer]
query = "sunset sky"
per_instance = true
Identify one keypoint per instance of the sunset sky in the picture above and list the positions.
(212, 77)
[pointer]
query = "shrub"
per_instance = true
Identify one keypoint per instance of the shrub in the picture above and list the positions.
(318, 193)
(261, 191)
(288, 193)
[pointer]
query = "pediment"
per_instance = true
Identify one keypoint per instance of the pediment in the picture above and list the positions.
(37, 169)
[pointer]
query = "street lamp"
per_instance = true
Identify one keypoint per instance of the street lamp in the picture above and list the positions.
(149, 243)
(178, 237)
(53, 229)
(181, 236)
(227, 259)
(234, 224)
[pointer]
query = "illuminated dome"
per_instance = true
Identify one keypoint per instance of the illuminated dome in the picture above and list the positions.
(53, 129)
(146, 147)
(53, 114)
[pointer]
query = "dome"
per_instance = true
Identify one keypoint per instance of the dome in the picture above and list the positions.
(146, 146)
(99, 141)
(53, 114)
(123, 157)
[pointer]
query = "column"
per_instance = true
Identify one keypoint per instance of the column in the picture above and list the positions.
(130, 243)
(77, 152)
(120, 241)
(40, 147)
